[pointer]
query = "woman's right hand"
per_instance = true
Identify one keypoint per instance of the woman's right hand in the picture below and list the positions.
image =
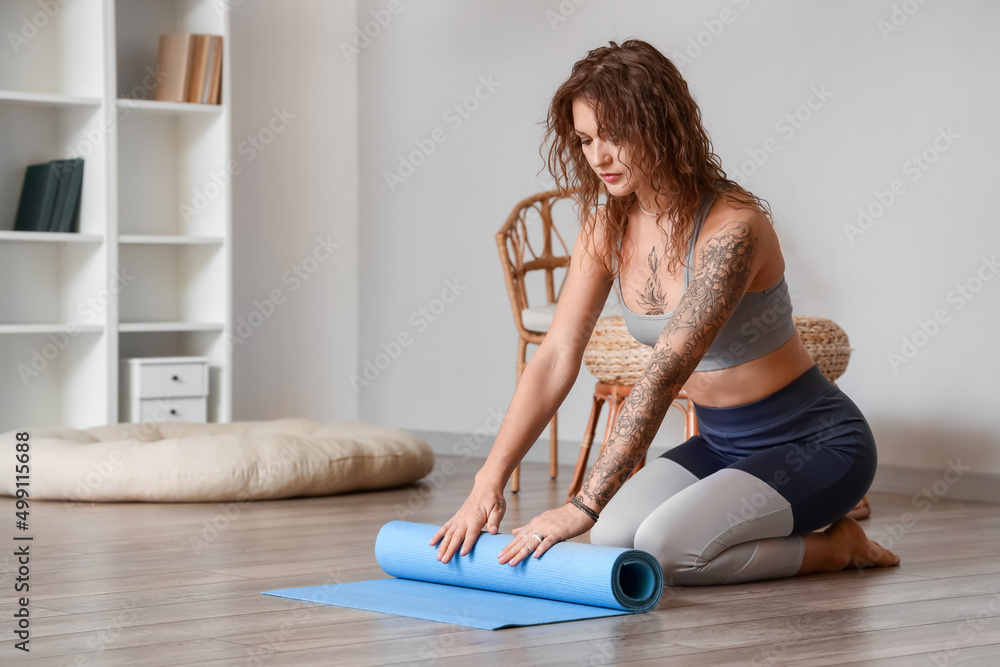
(485, 505)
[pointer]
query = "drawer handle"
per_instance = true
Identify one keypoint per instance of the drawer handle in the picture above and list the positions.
(176, 378)
(173, 412)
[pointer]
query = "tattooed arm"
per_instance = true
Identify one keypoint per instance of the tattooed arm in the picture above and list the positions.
(725, 268)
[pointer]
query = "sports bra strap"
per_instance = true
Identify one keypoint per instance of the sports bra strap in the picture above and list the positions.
(699, 221)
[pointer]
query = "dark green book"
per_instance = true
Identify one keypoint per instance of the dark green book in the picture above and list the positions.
(64, 171)
(65, 214)
(38, 196)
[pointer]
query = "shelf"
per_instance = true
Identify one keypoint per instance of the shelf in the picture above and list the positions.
(53, 282)
(48, 237)
(140, 327)
(56, 378)
(147, 272)
(172, 175)
(49, 328)
(34, 134)
(54, 52)
(48, 99)
(164, 239)
(152, 106)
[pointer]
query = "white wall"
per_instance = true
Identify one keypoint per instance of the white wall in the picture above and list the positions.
(300, 187)
(890, 95)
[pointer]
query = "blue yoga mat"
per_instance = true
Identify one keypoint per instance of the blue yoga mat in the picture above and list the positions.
(570, 581)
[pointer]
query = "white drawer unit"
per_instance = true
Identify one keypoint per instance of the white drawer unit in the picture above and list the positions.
(173, 409)
(171, 379)
(157, 389)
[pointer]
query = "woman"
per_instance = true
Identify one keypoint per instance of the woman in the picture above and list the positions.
(782, 451)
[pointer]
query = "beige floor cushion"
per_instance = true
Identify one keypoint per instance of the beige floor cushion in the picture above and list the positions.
(184, 462)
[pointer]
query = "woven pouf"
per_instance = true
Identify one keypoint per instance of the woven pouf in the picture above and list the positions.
(613, 356)
(826, 343)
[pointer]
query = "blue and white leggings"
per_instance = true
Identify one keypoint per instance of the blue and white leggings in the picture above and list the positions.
(731, 504)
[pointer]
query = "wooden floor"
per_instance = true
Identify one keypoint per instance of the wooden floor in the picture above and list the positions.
(151, 585)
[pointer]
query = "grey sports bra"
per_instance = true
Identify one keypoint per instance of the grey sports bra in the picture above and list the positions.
(761, 323)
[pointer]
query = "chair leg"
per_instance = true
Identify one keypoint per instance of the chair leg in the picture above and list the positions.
(612, 415)
(691, 421)
(553, 448)
(588, 440)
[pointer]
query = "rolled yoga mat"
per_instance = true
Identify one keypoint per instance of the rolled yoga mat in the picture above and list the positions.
(570, 581)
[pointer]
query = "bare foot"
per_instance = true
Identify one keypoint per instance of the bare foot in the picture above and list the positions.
(852, 547)
(842, 545)
(861, 511)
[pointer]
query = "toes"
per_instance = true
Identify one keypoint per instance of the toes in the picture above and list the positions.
(879, 556)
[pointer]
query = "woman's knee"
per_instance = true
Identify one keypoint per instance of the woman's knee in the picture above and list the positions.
(611, 532)
(666, 545)
(643, 493)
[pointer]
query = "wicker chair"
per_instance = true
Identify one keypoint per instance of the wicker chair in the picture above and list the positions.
(532, 322)
(617, 360)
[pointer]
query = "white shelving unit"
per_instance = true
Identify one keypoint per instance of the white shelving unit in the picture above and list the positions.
(149, 273)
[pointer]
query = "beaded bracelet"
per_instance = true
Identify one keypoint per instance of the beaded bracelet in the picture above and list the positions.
(576, 502)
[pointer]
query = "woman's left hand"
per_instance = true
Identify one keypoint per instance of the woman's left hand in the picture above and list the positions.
(552, 525)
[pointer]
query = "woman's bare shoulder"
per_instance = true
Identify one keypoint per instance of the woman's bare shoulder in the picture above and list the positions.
(749, 221)
(595, 231)
(734, 223)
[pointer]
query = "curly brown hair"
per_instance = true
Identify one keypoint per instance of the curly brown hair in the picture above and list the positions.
(642, 101)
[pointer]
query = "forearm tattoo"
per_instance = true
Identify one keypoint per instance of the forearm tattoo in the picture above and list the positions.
(712, 295)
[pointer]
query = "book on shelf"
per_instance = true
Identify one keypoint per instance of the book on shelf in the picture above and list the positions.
(38, 195)
(173, 61)
(67, 207)
(190, 67)
(50, 197)
(214, 92)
